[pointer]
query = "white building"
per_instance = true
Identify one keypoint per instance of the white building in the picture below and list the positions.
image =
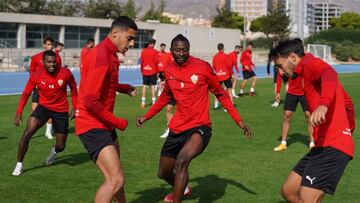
(250, 8)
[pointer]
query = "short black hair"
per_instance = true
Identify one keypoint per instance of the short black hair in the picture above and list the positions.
(48, 53)
(162, 44)
(124, 23)
(178, 38)
(250, 43)
(152, 41)
(48, 38)
(220, 46)
(237, 47)
(285, 47)
(57, 43)
(90, 40)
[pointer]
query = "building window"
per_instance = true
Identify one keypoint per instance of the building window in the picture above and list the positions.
(142, 38)
(76, 37)
(103, 33)
(8, 35)
(35, 33)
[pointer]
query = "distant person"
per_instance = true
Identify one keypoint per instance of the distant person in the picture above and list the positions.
(95, 122)
(52, 86)
(247, 69)
(85, 51)
(234, 64)
(188, 80)
(149, 61)
(332, 116)
(36, 65)
(59, 47)
(222, 64)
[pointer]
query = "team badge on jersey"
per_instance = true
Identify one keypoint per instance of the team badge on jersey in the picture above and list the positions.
(60, 82)
(194, 78)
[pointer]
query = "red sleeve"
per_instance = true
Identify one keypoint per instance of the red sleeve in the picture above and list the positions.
(235, 63)
(32, 65)
(278, 83)
(123, 88)
(242, 58)
(73, 89)
(162, 101)
(328, 86)
(25, 96)
(58, 60)
(229, 63)
(222, 96)
(93, 86)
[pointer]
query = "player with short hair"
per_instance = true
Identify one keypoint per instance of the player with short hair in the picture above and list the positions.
(36, 65)
(222, 64)
(332, 116)
(51, 84)
(187, 80)
(234, 64)
(85, 50)
(95, 122)
(149, 61)
(247, 69)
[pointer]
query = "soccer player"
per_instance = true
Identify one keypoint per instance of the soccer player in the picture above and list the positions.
(320, 170)
(85, 51)
(164, 59)
(149, 61)
(247, 69)
(222, 64)
(51, 84)
(294, 95)
(234, 64)
(95, 123)
(59, 47)
(36, 65)
(188, 81)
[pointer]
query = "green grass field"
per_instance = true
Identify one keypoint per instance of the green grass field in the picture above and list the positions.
(231, 170)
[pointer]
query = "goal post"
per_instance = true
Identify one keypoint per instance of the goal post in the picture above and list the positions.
(321, 51)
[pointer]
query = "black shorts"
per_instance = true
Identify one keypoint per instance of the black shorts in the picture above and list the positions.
(172, 102)
(162, 76)
(150, 79)
(291, 102)
(284, 78)
(96, 139)
(322, 168)
(175, 142)
(35, 96)
(60, 120)
(227, 83)
(248, 74)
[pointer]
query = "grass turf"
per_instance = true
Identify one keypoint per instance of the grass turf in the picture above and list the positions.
(232, 169)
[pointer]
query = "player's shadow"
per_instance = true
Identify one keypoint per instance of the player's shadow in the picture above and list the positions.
(296, 137)
(71, 129)
(3, 138)
(212, 187)
(208, 189)
(71, 160)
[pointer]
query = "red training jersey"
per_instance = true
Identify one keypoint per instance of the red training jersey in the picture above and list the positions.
(189, 85)
(97, 92)
(234, 64)
(164, 59)
(245, 60)
(149, 61)
(36, 63)
(222, 64)
(84, 52)
(52, 90)
(295, 85)
(322, 87)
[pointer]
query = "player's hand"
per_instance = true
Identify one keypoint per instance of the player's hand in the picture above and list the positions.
(318, 116)
(132, 92)
(140, 121)
(277, 97)
(72, 114)
(246, 129)
(18, 120)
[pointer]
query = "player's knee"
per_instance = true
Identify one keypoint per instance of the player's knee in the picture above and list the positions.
(163, 174)
(287, 117)
(285, 193)
(27, 135)
(117, 181)
(182, 161)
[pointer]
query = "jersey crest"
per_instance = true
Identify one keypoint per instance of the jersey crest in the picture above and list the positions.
(60, 82)
(194, 78)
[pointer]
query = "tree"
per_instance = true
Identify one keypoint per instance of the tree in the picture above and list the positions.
(63, 7)
(23, 6)
(227, 19)
(156, 14)
(348, 20)
(102, 9)
(130, 10)
(257, 24)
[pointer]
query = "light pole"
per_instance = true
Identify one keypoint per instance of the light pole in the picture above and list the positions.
(245, 16)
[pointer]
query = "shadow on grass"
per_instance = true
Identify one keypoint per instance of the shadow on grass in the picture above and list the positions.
(208, 189)
(297, 137)
(71, 160)
(71, 129)
(3, 138)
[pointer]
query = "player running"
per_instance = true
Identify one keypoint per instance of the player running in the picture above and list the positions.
(188, 81)
(332, 116)
(36, 65)
(247, 69)
(95, 123)
(234, 64)
(51, 84)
